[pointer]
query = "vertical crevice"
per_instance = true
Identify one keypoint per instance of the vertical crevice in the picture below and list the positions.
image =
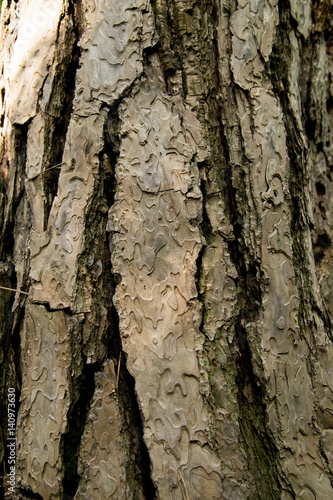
(59, 107)
(110, 154)
(12, 189)
(83, 387)
(170, 45)
(261, 451)
(258, 443)
(28, 494)
(300, 151)
(262, 455)
(89, 330)
(138, 469)
(280, 61)
(12, 185)
(95, 336)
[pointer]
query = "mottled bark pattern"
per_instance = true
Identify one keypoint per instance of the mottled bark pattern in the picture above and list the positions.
(165, 204)
(44, 399)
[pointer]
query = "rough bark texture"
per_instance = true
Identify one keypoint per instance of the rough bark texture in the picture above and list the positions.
(165, 203)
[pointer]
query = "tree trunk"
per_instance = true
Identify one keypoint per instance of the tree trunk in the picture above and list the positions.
(166, 260)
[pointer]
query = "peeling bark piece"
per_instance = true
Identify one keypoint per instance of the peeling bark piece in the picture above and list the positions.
(113, 31)
(27, 68)
(283, 353)
(301, 12)
(112, 51)
(44, 400)
(54, 267)
(155, 246)
(253, 28)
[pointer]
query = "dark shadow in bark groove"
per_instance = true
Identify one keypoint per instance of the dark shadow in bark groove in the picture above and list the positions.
(29, 494)
(59, 109)
(109, 157)
(83, 326)
(10, 375)
(280, 61)
(261, 451)
(258, 443)
(76, 419)
(299, 176)
(138, 471)
(105, 345)
(170, 45)
(10, 203)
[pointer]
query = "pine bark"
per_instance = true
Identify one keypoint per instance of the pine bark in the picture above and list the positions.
(165, 256)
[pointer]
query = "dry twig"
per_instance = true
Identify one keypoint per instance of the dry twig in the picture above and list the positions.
(46, 170)
(118, 371)
(13, 290)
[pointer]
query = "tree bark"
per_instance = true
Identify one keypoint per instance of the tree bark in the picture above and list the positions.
(166, 262)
